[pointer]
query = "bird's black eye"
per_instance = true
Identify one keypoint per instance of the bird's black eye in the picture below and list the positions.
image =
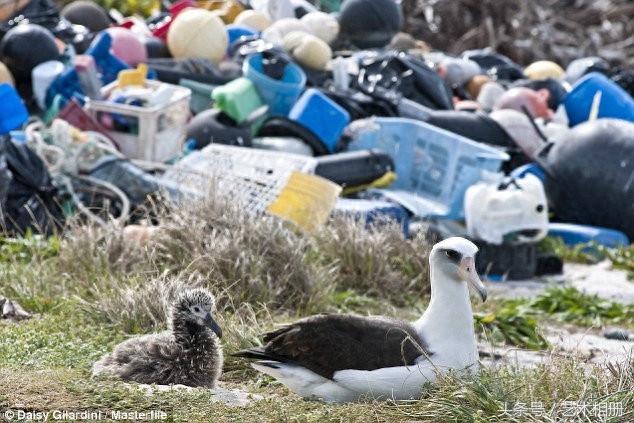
(453, 255)
(196, 309)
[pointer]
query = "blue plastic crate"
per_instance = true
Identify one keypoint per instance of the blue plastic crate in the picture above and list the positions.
(434, 166)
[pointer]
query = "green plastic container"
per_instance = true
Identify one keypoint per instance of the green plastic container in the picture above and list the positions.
(238, 99)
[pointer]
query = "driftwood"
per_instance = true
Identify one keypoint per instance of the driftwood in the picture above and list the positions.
(526, 31)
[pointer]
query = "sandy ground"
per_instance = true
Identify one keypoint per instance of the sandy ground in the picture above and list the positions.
(230, 396)
(587, 344)
(600, 279)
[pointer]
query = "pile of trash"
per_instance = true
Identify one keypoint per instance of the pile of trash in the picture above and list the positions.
(311, 109)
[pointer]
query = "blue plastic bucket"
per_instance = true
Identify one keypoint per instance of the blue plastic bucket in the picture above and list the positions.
(13, 112)
(321, 115)
(615, 102)
(280, 95)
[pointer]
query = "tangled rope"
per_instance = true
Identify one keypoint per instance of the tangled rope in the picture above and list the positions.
(67, 152)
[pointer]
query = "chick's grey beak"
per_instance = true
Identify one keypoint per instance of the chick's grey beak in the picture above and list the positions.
(469, 275)
(213, 325)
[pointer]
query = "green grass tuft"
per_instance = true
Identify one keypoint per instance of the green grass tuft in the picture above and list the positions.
(545, 393)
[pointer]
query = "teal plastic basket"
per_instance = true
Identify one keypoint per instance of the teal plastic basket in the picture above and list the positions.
(434, 166)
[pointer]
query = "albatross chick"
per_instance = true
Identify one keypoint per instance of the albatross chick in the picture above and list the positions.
(344, 357)
(188, 353)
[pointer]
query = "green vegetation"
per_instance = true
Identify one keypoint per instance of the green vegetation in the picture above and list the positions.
(515, 322)
(511, 325)
(591, 252)
(27, 248)
(621, 258)
(581, 253)
(568, 304)
(94, 288)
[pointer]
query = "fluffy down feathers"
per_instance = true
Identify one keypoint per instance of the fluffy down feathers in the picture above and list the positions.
(189, 353)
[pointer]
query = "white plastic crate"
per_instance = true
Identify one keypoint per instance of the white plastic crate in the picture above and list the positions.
(434, 166)
(255, 177)
(155, 133)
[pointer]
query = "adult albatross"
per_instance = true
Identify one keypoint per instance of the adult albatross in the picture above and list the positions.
(344, 357)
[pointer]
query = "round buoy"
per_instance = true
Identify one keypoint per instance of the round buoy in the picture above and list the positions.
(275, 33)
(370, 23)
(323, 25)
(24, 47)
(583, 65)
(198, 33)
(543, 69)
(519, 127)
(127, 46)
(308, 49)
(254, 19)
(86, 13)
(589, 174)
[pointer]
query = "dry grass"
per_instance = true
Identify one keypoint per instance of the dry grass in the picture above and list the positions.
(136, 304)
(244, 260)
(256, 259)
(379, 262)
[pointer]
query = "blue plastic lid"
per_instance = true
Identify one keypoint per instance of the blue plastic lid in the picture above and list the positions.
(13, 112)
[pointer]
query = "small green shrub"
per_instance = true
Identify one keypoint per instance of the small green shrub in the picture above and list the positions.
(568, 304)
(511, 325)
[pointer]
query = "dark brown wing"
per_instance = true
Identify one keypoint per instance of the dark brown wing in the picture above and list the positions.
(327, 343)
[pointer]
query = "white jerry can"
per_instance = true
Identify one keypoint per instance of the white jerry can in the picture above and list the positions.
(499, 210)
